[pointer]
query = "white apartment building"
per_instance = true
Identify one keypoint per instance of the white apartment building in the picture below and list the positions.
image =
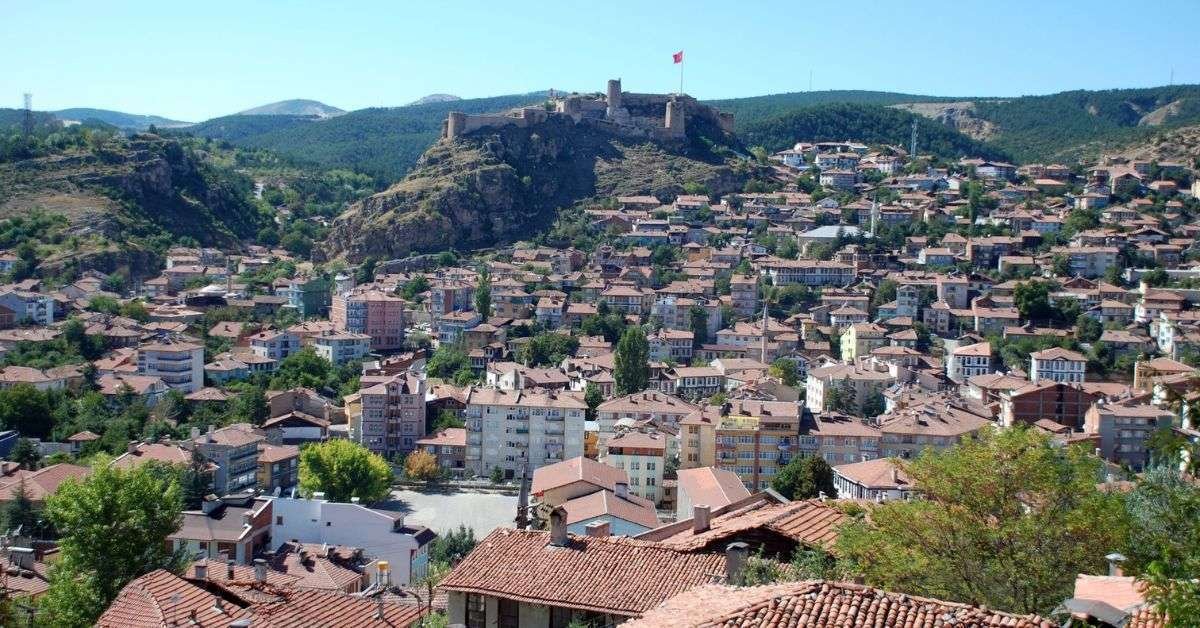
(968, 361)
(342, 346)
(274, 344)
(510, 429)
(177, 363)
(1057, 365)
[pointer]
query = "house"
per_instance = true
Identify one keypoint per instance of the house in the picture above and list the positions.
(1125, 430)
(278, 468)
(765, 522)
(554, 485)
(340, 347)
(1057, 365)
(621, 513)
(177, 362)
(801, 603)
(877, 480)
(235, 527)
(449, 446)
(234, 449)
(563, 578)
(381, 534)
(643, 456)
(709, 486)
(968, 361)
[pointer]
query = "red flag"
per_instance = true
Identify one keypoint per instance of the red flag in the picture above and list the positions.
(678, 57)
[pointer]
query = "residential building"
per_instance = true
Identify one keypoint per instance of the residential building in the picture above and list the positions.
(274, 344)
(278, 468)
(392, 418)
(1125, 430)
(706, 486)
(860, 339)
(381, 534)
(234, 451)
(967, 361)
(340, 347)
(235, 527)
(753, 439)
(178, 363)
(643, 456)
(375, 313)
(876, 480)
(449, 446)
(1057, 365)
(521, 430)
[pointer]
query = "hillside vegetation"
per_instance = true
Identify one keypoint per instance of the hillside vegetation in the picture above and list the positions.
(872, 124)
(118, 119)
(382, 142)
(752, 110)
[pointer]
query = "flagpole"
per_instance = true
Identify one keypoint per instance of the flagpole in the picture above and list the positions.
(681, 60)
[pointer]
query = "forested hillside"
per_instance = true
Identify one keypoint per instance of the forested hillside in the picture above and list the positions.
(382, 142)
(872, 124)
(755, 109)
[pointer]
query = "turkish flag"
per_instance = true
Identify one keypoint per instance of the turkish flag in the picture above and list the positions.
(678, 57)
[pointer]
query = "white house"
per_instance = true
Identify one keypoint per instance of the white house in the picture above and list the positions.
(1057, 365)
(381, 534)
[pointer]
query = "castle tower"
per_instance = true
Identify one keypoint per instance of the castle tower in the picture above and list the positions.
(456, 123)
(674, 121)
(614, 98)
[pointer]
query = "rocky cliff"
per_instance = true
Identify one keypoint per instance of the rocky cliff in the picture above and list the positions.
(498, 185)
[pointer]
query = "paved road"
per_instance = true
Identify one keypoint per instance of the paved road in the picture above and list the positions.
(482, 512)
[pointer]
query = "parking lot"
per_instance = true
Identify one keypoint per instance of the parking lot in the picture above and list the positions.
(442, 511)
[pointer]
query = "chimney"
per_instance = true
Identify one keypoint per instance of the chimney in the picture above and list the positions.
(383, 572)
(208, 436)
(821, 495)
(1114, 564)
(209, 504)
(21, 557)
(202, 571)
(229, 565)
(895, 475)
(598, 529)
(260, 570)
(558, 527)
(622, 490)
(131, 447)
(195, 433)
(701, 515)
(736, 555)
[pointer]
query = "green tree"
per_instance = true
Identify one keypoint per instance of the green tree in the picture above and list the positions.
(447, 360)
(1061, 266)
(1087, 328)
(302, 369)
(632, 363)
(483, 294)
(452, 546)
(1156, 278)
(1006, 520)
(27, 410)
(25, 453)
(873, 405)
(250, 405)
(593, 398)
(1164, 543)
(805, 478)
(497, 475)
(20, 511)
(786, 371)
(698, 321)
(113, 527)
(549, 349)
(1032, 299)
(342, 469)
(421, 466)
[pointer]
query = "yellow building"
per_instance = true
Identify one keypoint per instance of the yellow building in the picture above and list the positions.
(752, 439)
(860, 339)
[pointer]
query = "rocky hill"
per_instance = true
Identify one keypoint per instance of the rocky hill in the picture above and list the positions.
(499, 185)
(294, 107)
(122, 197)
(119, 119)
(434, 98)
(1180, 145)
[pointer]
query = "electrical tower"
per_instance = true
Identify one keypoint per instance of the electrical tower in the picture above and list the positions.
(27, 120)
(912, 143)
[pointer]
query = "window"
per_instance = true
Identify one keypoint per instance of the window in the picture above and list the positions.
(278, 520)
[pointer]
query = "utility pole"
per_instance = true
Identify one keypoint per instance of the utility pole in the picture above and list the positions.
(912, 144)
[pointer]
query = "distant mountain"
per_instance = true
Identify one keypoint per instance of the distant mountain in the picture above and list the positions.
(434, 98)
(119, 119)
(297, 107)
(382, 142)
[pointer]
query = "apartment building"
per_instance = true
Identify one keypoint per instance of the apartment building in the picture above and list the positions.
(838, 438)
(28, 306)
(743, 292)
(1125, 429)
(643, 456)
(234, 451)
(784, 272)
(178, 363)
(274, 344)
(392, 415)
(375, 313)
(310, 296)
(516, 430)
(649, 407)
(932, 422)
(1089, 261)
(860, 339)
(340, 347)
(753, 439)
(853, 379)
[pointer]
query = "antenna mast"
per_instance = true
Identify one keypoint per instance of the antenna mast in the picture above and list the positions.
(27, 118)
(912, 144)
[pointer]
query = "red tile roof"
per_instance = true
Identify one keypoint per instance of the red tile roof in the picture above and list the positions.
(577, 469)
(161, 598)
(607, 575)
(820, 603)
(811, 523)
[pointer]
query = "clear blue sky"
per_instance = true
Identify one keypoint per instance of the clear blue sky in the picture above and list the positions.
(195, 60)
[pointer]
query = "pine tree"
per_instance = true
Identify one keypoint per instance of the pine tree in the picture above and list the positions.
(483, 294)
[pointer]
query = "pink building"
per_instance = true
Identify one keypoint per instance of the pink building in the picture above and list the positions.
(376, 313)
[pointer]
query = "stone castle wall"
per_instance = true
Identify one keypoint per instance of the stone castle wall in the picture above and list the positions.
(660, 116)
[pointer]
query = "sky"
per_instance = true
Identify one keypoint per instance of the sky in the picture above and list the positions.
(196, 60)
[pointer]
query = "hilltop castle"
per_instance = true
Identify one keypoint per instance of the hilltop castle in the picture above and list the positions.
(649, 116)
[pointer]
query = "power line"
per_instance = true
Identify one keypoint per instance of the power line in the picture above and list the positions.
(27, 119)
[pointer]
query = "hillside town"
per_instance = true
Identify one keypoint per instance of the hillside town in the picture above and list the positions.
(645, 382)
